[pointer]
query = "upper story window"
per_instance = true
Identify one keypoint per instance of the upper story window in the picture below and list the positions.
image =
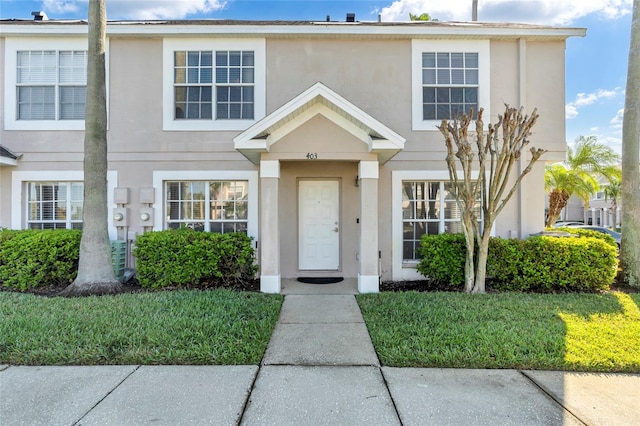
(233, 86)
(51, 85)
(449, 78)
(449, 84)
(215, 84)
(45, 83)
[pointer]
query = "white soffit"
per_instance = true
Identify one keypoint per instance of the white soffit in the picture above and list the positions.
(318, 99)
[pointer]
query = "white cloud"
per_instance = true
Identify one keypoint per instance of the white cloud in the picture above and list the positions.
(570, 111)
(595, 129)
(57, 6)
(163, 9)
(616, 122)
(612, 142)
(586, 99)
(549, 12)
(140, 9)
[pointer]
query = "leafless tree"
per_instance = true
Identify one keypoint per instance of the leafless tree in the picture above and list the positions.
(493, 157)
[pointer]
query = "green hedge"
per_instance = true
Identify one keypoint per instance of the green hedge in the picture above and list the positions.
(541, 264)
(34, 258)
(583, 232)
(443, 258)
(186, 257)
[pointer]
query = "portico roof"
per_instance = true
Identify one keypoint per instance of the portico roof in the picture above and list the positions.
(7, 157)
(319, 99)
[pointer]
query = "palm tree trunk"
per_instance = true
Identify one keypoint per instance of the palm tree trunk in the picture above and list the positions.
(95, 270)
(630, 250)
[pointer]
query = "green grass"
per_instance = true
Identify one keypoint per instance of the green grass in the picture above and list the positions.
(179, 327)
(573, 332)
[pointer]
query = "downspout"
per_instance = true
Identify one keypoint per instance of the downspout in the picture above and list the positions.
(522, 95)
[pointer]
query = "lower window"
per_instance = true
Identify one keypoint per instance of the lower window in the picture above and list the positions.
(55, 205)
(211, 206)
(428, 207)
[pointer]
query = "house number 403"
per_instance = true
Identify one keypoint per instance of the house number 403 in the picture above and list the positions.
(312, 155)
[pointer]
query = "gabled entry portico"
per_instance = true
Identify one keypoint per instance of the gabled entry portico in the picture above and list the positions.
(319, 150)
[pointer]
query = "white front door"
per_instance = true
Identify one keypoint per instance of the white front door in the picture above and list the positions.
(318, 225)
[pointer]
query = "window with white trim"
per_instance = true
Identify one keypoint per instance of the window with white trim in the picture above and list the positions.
(51, 84)
(195, 88)
(428, 207)
(213, 84)
(449, 78)
(219, 206)
(55, 205)
(449, 84)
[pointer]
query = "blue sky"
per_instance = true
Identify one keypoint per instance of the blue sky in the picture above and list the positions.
(596, 65)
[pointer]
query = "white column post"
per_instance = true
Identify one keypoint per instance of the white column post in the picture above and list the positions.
(369, 274)
(270, 280)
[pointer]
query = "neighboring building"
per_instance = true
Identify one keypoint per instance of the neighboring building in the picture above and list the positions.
(317, 139)
(599, 212)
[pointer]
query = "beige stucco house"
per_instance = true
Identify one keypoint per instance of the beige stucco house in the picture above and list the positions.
(317, 139)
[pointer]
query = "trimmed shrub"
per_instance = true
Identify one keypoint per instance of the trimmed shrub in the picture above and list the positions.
(504, 263)
(541, 264)
(582, 232)
(443, 258)
(185, 257)
(38, 258)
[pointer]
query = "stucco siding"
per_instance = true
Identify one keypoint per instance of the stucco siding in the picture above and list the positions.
(375, 75)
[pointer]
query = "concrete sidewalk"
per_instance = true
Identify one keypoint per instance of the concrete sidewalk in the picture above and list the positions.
(319, 369)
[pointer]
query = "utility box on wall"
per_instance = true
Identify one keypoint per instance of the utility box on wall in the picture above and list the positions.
(121, 195)
(120, 217)
(146, 216)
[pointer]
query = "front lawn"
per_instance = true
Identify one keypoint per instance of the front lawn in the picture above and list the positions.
(573, 332)
(177, 327)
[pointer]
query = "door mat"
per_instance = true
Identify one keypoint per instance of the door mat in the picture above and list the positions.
(320, 280)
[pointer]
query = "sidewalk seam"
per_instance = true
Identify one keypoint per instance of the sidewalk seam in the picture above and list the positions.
(393, 401)
(105, 396)
(379, 366)
(550, 395)
(248, 398)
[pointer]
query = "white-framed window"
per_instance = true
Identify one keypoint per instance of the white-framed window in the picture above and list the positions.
(449, 78)
(51, 84)
(214, 84)
(53, 199)
(428, 207)
(195, 86)
(219, 206)
(214, 201)
(45, 83)
(54, 205)
(421, 203)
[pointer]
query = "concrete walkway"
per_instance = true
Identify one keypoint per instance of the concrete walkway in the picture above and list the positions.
(319, 369)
